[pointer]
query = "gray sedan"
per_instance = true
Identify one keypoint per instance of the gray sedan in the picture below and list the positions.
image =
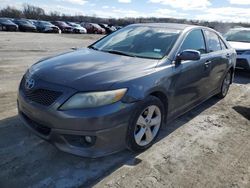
(120, 91)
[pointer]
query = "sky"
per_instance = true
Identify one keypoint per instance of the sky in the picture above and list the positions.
(211, 10)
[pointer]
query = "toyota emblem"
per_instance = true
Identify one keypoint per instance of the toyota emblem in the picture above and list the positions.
(29, 83)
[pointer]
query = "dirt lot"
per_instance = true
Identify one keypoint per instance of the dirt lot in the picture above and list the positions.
(207, 147)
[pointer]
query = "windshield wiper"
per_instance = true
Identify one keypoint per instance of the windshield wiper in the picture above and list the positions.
(119, 53)
(244, 41)
(92, 47)
(239, 41)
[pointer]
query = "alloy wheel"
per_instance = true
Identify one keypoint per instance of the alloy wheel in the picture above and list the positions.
(147, 125)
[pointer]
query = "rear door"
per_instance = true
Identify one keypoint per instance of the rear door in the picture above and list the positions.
(191, 77)
(219, 57)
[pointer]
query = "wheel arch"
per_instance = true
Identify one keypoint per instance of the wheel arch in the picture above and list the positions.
(164, 99)
(231, 69)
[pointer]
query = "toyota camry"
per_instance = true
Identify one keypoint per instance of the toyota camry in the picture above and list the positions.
(122, 90)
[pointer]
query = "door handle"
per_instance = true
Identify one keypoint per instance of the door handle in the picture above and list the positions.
(207, 63)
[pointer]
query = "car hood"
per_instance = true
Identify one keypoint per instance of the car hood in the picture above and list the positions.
(88, 70)
(240, 45)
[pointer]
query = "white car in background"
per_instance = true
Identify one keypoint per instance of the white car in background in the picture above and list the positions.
(77, 28)
(239, 39)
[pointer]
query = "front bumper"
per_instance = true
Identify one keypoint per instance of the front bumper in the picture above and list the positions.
(51, 30)
(106, 141)
(80, 31)
(107, 126)
(243, 62)
(8, 28)
(67, 30)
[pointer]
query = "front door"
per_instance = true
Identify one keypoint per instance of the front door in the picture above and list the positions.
(189, 82)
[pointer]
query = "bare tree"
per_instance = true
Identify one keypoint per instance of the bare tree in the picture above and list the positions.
(10, 12)
(33, 12)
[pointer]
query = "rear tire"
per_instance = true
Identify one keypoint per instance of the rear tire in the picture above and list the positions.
(145, 124)
(225, 85)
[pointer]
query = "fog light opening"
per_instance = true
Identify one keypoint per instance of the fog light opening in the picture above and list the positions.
(80, 140)
(88, 139)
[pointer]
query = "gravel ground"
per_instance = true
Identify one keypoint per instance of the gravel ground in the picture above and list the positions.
(207, 147)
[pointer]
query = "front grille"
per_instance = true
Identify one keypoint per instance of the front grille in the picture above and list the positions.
(12, 28)
(41, 96)
(239, 52)
(37, 126)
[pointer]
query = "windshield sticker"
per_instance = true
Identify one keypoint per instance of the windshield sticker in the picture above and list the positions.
(157, 50)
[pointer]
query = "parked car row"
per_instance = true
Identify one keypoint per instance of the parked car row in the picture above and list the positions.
(9, 24)
(239, 38)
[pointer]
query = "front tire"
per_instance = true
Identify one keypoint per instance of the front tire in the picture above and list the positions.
(145, 124)
(225, 85)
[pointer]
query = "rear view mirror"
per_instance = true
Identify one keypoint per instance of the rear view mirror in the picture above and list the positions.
(192, 55)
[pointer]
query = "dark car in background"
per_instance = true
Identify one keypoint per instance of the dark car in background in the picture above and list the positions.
(93, 28)
(65, 28)
(7, 25)
(46, 27)
(239, 39)
(108, 28)
(118, 27)
(77, 28)
(25, 25)
(120, 91)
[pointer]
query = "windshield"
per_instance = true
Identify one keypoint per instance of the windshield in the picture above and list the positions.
(22, 22)
(139, 41)
(96, 25)
(63, 24)
(5, 21)
(74, 24)
(238, 35)
(44, 23)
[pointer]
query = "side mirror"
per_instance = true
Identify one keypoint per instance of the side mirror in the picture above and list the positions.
(192, 55)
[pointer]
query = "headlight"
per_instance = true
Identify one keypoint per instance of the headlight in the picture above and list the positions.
(93, 99)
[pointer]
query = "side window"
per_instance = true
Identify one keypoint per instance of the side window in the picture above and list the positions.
(223, 46)
(194, 41)
(213, 41)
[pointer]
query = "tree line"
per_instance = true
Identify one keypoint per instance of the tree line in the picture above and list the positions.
(33, 12)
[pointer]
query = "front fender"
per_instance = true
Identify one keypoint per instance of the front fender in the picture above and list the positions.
(140, 87)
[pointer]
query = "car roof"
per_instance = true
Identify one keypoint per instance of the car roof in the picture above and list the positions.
(167, 25)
